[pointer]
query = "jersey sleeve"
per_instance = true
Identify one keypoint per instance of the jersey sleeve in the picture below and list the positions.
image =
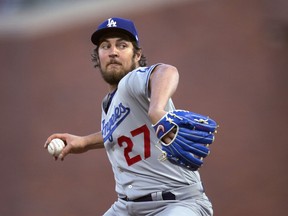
(137, 83)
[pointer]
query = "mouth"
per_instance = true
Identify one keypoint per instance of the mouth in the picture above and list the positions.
(114, 63)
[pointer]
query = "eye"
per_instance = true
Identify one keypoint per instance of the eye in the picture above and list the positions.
(122, 45)
(104, 45)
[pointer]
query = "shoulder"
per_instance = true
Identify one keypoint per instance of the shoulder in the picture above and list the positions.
(165, 67)
(137, 81)
(141, 73)
(147, 69)
(165, 70)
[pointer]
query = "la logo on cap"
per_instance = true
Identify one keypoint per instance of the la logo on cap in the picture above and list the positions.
(111, 23)
(114, 24)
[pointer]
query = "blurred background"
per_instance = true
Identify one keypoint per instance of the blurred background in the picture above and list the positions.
(232, 59)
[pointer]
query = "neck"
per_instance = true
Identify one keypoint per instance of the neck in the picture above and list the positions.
(112, 88)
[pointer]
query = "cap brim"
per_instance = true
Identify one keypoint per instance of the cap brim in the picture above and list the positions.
(97, 35)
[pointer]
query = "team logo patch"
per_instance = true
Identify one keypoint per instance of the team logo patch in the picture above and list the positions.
(111, 23)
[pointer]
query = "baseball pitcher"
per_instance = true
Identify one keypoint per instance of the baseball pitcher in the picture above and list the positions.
(155, 150)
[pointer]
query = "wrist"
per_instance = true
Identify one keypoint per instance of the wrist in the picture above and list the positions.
(155, 115)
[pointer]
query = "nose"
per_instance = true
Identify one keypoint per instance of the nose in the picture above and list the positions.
(113, 51)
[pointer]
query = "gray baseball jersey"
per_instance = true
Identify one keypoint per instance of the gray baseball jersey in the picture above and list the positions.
(130, 141)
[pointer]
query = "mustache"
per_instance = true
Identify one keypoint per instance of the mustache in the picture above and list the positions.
(113, 61)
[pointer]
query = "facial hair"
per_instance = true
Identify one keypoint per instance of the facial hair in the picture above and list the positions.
(113, 77)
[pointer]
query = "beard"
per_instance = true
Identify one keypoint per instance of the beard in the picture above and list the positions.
(113, 76)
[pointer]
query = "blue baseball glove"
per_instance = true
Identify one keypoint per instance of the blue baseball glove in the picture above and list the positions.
(193, 135)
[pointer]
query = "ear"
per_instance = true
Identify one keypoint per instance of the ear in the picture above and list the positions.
(138, 55)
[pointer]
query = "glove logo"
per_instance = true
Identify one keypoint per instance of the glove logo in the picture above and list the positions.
(160, 128)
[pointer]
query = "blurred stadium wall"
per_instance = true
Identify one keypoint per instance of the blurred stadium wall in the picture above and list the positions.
(232, 57)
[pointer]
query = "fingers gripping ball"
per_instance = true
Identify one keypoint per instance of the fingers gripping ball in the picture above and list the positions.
(55, 147)
(194, 134)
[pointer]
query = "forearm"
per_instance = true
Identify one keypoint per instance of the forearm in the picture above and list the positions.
(77, 144)
(93, 141)
(163, 84)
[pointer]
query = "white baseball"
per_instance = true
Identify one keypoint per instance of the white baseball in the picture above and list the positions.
(55, 147)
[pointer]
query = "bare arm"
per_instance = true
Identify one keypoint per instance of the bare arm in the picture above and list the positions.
(77, 144)
(163, 83)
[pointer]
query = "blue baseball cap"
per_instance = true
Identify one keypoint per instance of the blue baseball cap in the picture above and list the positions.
(115, 24)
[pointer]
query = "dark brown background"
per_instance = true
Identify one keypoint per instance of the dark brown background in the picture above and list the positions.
(232, 57)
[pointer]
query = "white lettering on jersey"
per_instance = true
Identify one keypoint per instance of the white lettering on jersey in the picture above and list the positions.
(119, 114)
